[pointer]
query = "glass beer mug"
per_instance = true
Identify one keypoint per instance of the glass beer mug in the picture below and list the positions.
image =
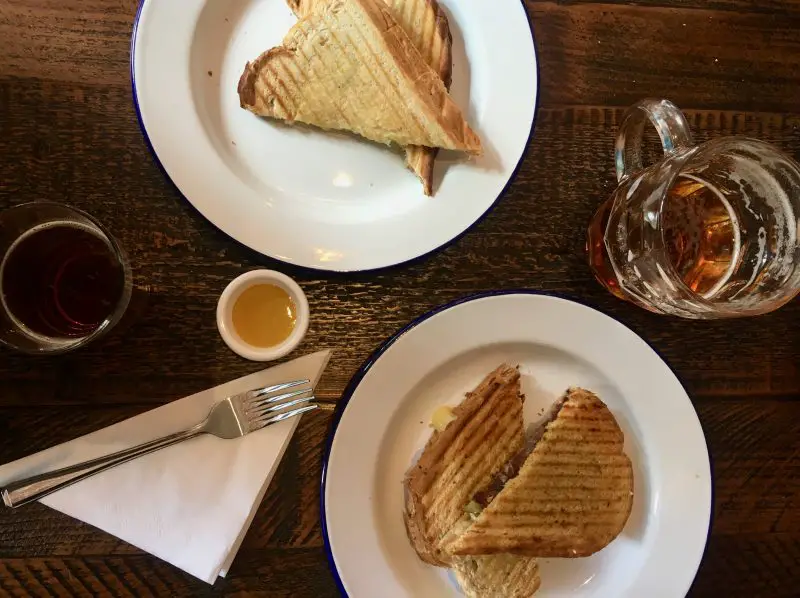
(709, 231)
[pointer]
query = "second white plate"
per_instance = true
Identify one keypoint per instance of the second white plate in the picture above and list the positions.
(384, 423)
(315, 199)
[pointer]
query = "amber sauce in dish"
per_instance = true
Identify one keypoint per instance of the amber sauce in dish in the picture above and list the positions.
(264, 315)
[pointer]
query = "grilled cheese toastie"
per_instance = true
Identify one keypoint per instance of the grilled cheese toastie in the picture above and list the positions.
(426, 24)
(571, 497)
(348, 65)
(461, 459)
(458, 461)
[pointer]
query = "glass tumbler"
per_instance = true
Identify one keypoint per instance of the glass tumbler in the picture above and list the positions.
(64, 280)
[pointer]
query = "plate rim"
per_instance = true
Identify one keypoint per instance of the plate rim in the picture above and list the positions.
(358, 376)
(315, 269)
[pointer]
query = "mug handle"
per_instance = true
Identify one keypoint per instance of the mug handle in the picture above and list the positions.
(671, 125)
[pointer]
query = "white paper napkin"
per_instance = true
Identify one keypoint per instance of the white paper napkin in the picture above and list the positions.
(189, 504)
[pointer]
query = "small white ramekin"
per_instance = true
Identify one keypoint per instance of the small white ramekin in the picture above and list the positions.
(225, 315)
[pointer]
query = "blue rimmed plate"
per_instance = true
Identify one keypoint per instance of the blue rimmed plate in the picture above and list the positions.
(382, 424)
(315, 199)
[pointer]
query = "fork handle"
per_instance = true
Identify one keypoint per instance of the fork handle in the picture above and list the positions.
(33, 488)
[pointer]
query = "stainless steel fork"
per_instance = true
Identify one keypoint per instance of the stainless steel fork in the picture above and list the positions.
(236, 416)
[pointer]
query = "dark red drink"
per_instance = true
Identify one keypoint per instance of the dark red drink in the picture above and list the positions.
(61, 280)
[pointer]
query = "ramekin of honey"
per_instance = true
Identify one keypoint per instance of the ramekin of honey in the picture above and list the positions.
(262, 315)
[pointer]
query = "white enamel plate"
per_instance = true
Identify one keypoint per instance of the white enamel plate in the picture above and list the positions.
(315, 199)
(383, 425)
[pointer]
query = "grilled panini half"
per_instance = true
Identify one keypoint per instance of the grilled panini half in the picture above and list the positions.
(426, 24)
(486, 432)
(573, 494)
(349, 66)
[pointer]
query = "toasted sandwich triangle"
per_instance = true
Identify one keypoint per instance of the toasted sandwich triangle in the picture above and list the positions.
(350, 66)
(460, 460)
(572, 496)
(456, 464)
(426, 24)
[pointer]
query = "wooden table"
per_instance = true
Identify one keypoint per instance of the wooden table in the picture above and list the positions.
(68, 132)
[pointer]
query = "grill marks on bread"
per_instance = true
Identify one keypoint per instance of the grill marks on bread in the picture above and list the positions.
(427, 26)
(486, 432)
(429, 29)
(348, 65)
(572, 496)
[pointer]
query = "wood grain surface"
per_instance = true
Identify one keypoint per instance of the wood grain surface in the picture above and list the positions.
(68, 132)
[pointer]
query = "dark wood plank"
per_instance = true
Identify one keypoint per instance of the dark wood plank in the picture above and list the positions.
(86, 41)
(687, 6)
(614, 54)
(261, 573)
(748, 566)
(754, 443)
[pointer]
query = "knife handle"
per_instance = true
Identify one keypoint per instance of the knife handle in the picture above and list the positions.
(23, 491)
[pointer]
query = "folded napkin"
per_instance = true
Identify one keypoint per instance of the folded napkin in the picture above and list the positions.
(189, 504)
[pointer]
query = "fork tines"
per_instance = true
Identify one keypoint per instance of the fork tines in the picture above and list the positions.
(263, 407)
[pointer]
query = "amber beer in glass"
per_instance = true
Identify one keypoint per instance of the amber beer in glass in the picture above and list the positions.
(709, 231)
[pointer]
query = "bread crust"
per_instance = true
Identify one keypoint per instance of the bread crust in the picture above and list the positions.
(419, 159)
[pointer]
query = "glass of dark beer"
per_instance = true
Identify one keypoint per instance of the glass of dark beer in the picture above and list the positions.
(64, 280)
